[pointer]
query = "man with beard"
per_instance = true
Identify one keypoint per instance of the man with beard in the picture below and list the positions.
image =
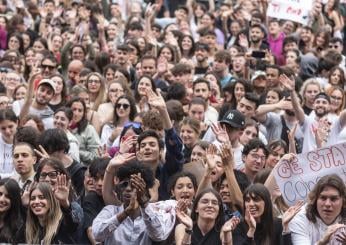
(311, 125)
(257, 35)
(277, 126)
(306, 39)
(201, 54)
(39, 105)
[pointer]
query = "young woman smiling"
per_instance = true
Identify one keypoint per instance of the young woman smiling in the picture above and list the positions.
(11, 213)
(62, 119)
(144, 83)
(189, 132)
(49, 219)
(260, 226)
(124, 112)
(116, 88)
(206, 224)
(59, 98)
(96, 86)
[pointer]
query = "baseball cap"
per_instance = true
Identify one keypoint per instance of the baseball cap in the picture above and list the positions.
(234, 118)
(258, 74)
(323, 95)
(48, 82)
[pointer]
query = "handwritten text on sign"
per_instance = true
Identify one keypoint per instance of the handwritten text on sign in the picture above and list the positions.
(295, 10)
(297, 178)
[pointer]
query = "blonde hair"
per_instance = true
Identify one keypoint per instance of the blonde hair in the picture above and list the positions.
(329, 92)
(193, 123)
(310, 81)
(51, 221)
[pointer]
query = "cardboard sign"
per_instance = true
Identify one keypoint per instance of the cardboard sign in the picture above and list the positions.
(294, 10)
(298, 177)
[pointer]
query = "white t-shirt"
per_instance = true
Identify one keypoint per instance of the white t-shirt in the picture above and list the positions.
(6, 162)
(308, 127)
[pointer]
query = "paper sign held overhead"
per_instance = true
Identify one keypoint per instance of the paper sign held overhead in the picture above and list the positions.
(298, 177)
(294, 10)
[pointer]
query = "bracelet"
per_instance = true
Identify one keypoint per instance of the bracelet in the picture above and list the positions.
(187, 231)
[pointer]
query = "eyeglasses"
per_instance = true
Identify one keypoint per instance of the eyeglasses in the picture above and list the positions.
(51, 175)
(258, 157)
(94, 81)
(125, 106)
(335, 98)
(48, 66)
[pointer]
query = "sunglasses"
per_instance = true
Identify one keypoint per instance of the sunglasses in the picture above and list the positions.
(47, 66)
(123, 184)
(125, 106)
(133, 124)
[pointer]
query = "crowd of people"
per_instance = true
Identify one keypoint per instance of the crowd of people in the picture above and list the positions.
(163, 121)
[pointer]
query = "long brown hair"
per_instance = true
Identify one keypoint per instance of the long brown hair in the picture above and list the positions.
(52, 219)
(332, 180)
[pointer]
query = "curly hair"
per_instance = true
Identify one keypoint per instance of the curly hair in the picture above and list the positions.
(135, 167)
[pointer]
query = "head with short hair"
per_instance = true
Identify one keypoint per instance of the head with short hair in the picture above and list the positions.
(55, 141)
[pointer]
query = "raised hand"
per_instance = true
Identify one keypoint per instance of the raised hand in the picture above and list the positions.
(155, 99)
(330, 231)
(62, 190)
(291, 133)
(220, 132)
(211, 157)
(227, 154)
(42, 152)
(133, 205)
(102, 151)
(290, 213)
(285, 104)
(250, 220)
(26, 194)
(340, 235)
(139, 184)
(181, 212)
(231, 224)
(243, 41)
(287, 83)
(128, 144)
(121, 159)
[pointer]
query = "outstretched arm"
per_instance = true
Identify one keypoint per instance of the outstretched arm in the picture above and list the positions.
(262, 110)
(108, 181)
(234, 189)
(29, 97)
(289, 84)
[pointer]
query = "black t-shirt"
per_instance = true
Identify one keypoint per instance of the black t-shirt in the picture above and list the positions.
(76, 171)
(211, 238)
(307, 110)
(92, 205)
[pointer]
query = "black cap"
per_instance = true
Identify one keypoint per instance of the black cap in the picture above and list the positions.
(323, 95)
(234, 118)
